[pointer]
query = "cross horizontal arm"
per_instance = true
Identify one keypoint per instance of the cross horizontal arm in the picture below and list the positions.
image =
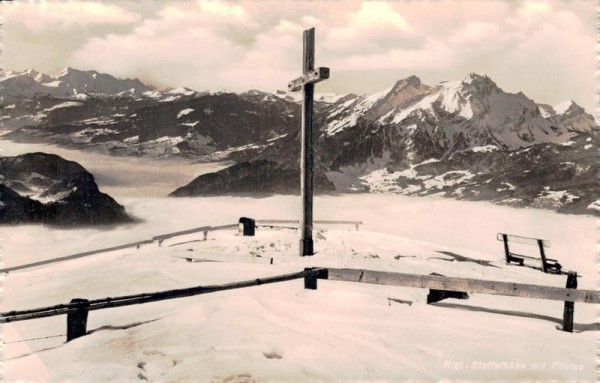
(311, 77)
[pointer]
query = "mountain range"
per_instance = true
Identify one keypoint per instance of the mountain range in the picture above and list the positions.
(465, 139)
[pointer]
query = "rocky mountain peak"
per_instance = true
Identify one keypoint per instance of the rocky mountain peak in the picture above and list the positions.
(65, 72)
(37, 76)
(411, 81)
(69, 82)
(481, 84)
(567, 107)
(404, 92)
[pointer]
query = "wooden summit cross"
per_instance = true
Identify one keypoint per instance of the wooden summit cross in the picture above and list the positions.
(306, 82)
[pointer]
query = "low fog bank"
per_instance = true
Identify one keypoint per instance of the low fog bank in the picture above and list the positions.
(471, 226)
(123, 176)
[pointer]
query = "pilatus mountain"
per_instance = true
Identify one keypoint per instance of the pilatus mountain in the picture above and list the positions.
(464, 139)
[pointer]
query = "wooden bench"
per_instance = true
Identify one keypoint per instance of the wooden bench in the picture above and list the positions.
(548, 264)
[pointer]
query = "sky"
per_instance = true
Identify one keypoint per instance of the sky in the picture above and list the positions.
(546, 49)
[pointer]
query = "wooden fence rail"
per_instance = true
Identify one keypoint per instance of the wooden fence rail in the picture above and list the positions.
(75, 256)
(160, 238)
(465, 284)
(324, 222)
(77, 310)
(127, 300)
(441, 286)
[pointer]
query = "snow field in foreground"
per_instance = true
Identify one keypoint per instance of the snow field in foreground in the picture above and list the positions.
(281, 332)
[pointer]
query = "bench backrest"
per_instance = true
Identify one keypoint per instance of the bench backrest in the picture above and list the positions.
(522, 240)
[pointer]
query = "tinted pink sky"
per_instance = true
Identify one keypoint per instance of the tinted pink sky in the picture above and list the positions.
(544, 48)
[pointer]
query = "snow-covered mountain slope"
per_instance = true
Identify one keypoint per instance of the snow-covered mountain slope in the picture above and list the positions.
(210, 126)
(340, 332)
(68, 82)
(390, 131)
(472, 112)
(45, 188)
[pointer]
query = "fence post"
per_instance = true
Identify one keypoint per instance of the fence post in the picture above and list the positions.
(569, 306)
(77, 321)
(310, 280)
(205, 235)
(248, 226)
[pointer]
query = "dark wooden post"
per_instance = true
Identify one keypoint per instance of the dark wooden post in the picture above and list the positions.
(542, 255)
(306, 155)
(306, 83)
(310, 280)
(248, 226)
(77, 321)
(569, 306)
(506, 251)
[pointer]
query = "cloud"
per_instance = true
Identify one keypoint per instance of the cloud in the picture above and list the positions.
(186, 44)
(373, 27)
(64, 14)
(204, 45)
(544, 48)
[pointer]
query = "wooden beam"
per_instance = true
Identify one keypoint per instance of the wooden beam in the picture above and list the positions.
(127, 300)
(312, 77)
(306, 147)
(308, 50)
(224, 227)
(465, 284)
(162, 237)
(328, 222)
(74, 256)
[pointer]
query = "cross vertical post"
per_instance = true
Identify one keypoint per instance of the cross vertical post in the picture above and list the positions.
(306, 151)
(306, 83)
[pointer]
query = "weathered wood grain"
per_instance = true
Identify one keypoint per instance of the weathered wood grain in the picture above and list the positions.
(466, 284)
(312, 77)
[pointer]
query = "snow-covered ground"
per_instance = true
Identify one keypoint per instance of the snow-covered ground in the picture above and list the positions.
(341, 332)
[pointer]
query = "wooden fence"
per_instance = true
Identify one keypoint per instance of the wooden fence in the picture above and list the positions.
(317, 222)
(77, 310)
(468, 285)
(160, 239)
(75, 256)
(441, 284)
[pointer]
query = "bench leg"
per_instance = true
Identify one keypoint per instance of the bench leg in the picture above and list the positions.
(515, 259)
(569, 310)
(556, 267)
